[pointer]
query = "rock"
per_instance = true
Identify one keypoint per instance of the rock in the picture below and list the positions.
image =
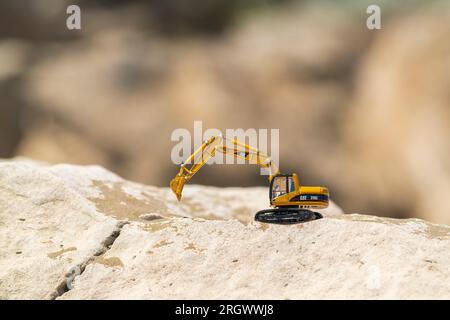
(346, 257)
(52, 140)
(134, 241)
(396, 132)
(13, 56)
(47, 225)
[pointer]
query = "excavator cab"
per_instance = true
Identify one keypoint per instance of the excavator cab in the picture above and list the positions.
(285, 191)
(282, 184)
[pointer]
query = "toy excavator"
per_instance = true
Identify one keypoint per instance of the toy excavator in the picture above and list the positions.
(289, 200)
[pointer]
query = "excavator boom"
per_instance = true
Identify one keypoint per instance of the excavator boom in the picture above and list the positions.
(208, 150)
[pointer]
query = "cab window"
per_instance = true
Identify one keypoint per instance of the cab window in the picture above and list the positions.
(291, 186)
(279, 187)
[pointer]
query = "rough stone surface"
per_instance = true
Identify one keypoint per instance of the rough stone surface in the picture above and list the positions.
(135, 241)
(47, 225)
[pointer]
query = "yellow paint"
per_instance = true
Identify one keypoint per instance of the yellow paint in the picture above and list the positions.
(291, 197)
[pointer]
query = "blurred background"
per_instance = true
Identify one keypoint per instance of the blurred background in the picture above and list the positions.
(364, 112)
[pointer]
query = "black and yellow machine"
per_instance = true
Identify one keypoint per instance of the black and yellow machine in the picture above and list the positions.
(290, 202)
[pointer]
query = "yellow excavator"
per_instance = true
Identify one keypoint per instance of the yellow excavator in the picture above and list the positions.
(290, 201)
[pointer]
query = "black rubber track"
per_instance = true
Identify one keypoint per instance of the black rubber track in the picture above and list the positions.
(286, 215)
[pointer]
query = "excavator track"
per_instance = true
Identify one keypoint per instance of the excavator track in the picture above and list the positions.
(286, 215)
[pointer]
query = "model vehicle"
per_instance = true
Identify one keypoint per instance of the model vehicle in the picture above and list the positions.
(290, 201)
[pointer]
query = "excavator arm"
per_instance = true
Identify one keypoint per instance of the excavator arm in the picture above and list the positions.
(208, 150)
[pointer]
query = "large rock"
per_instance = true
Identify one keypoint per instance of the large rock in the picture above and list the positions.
(396, 131)
(348, 257)
(135, 241)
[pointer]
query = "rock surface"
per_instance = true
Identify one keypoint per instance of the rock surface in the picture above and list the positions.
(135, 241)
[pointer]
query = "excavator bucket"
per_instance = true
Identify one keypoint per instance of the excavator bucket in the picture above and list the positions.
(177, 184)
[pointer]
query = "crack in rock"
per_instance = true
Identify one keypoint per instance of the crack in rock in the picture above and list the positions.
(62, 288)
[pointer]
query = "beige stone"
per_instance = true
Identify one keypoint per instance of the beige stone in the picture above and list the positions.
(136, 241)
